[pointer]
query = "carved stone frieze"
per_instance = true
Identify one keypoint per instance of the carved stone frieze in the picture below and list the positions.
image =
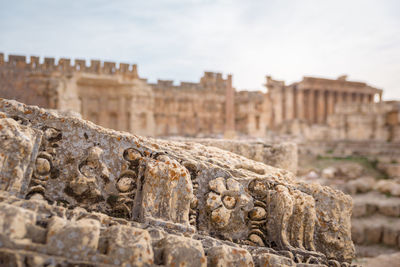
(215, 198)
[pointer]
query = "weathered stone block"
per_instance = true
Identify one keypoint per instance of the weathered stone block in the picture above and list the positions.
(72, 239)
(10, 259)
(373, 234)
(167, 191)
(15, 221)
(310, 265)
(398, 241)
(282, 155)
(391, 169)
(333, 230)
(129, 245)
(390, 209)
(360, 185)
(224, 256)
(357, 233)
(359, 210)
(182, 251)
(272, 260)
(18, 148)
(390, 236)
(388, 187)
(349, 170)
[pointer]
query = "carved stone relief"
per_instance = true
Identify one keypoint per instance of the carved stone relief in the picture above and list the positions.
(221, 197)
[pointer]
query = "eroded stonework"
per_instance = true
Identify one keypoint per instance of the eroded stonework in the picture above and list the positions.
(82, 194)
(281, 155)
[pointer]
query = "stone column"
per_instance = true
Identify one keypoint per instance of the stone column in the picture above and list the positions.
(365, 98)
(267, 110)
(283, 103)
(368, 98)
(336, 100)
(357, 98)
(321, 107)
(229, 109)
(331, 102)
(289, 95)
(361, 98)
(276, 102)
(311, 106)
(350, 98)
(345, 97)
(300, 104)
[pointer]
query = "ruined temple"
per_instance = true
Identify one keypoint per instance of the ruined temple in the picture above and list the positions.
(313, 99)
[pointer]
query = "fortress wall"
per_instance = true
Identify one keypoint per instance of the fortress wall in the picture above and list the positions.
(19, 82)
(64, 65)
(104, 92)
(124, 106)
(114, 96)
(190, 109)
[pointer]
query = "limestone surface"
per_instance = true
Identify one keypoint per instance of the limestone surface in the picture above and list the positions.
(281, 155)
(76, 193)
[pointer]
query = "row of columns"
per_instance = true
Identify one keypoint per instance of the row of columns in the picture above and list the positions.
(314, 106)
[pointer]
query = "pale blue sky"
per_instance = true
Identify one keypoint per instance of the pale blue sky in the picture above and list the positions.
(172, 39)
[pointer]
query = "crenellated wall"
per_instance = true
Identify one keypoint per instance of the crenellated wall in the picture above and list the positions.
(114, 96)
(24, 82)
(191, 109)
(106, 93)
(210, 81)
(64, 65)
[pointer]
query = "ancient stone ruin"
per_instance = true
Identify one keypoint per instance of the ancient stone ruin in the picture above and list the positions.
(76, 194)
(115, 96)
